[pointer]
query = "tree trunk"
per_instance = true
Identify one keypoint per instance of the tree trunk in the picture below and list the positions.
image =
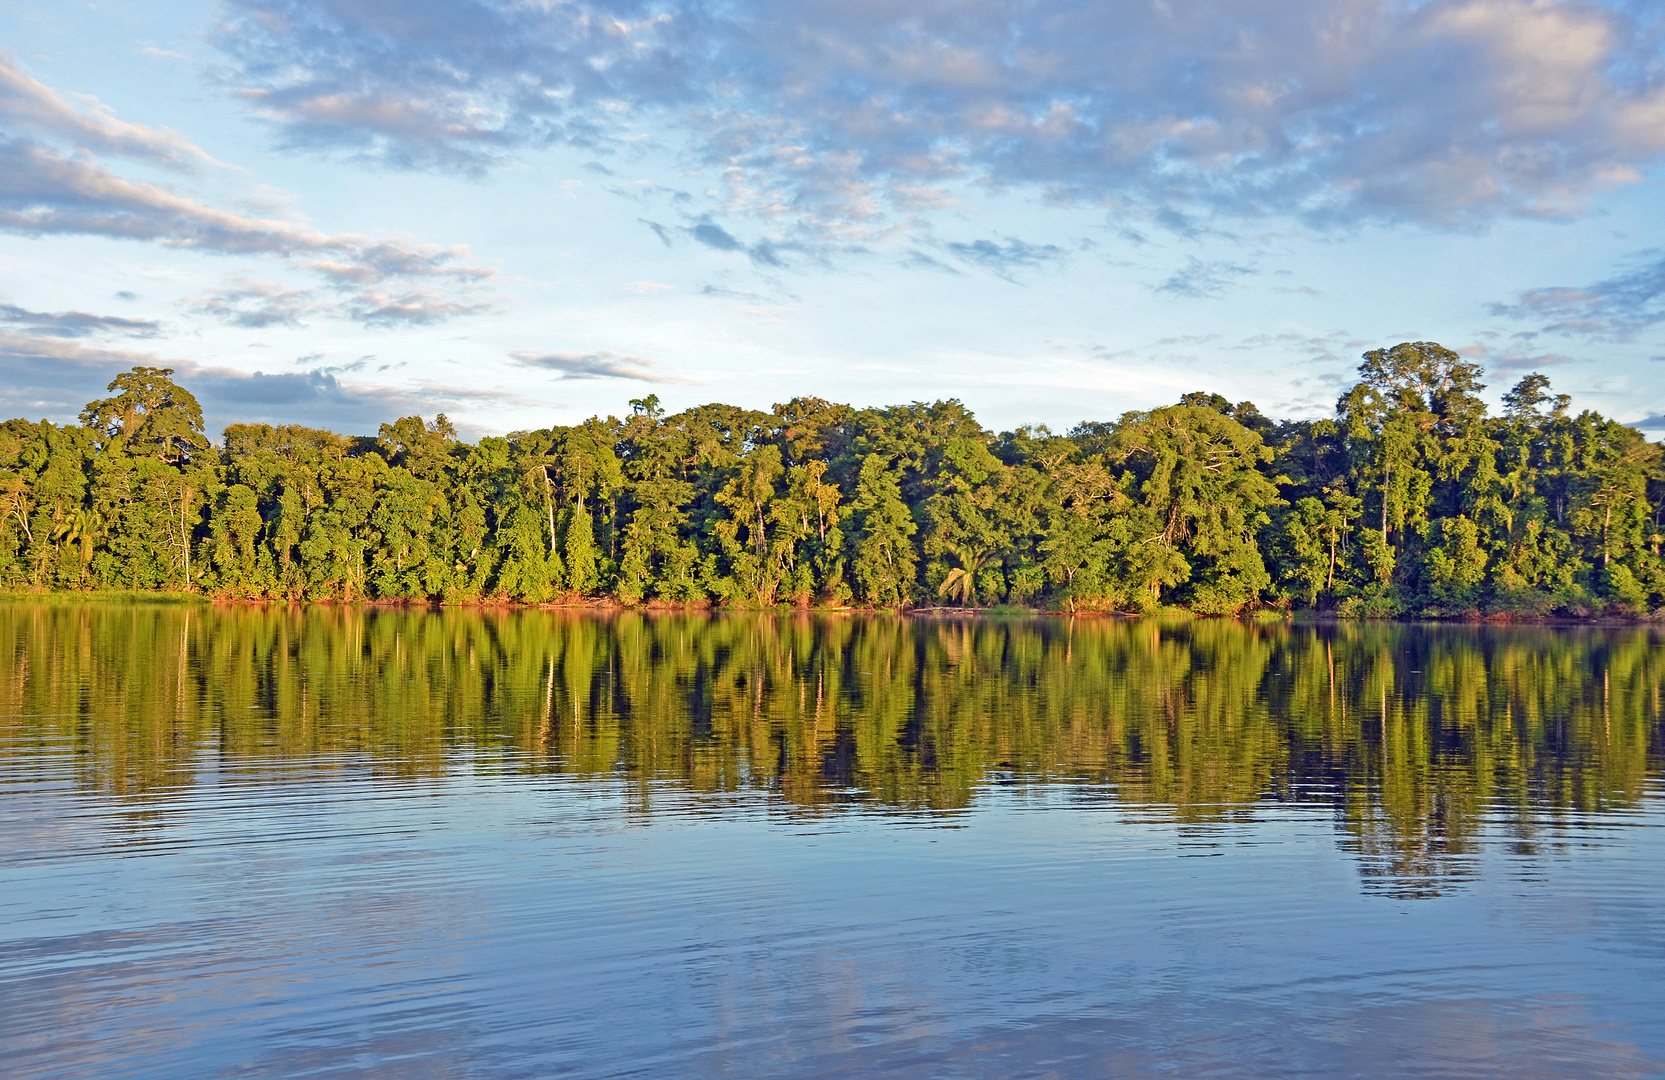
(184, 539)
(1387, 480)
(549, 506)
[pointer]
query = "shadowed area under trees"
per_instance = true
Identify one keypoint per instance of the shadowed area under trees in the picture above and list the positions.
(1412, 500)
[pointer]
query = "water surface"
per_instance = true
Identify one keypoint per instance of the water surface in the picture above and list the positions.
(350, 842)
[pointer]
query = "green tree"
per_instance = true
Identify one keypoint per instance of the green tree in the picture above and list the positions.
(1199, 481)
(884, 557)
(151, 413)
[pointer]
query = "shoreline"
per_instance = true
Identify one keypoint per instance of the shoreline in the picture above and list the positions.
(609, 605)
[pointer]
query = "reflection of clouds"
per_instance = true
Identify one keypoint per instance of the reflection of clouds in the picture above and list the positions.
(1298, 1033)
(310, 920)
(284, 938)
(490, 844)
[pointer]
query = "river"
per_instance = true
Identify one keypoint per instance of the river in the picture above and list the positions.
(353, 842)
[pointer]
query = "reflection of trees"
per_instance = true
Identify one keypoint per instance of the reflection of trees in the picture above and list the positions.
(1417, 737)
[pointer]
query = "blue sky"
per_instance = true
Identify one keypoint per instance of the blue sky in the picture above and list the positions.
(337, 212)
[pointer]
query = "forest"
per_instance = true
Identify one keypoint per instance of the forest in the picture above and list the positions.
(1412, 501)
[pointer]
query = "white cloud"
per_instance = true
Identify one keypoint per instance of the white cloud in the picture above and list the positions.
(50, 190)
(255, 304)
(28, 104)
(835, 122)
(602, 364)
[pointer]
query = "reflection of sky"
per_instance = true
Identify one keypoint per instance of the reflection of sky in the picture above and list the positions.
(498, 924)
(521, 214)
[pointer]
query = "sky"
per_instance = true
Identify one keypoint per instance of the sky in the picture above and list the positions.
(526, 212)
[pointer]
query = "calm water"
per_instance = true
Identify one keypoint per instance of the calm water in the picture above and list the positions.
(322, 842)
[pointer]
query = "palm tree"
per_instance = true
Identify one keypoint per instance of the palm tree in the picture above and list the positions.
(84, 527)
(961, 582)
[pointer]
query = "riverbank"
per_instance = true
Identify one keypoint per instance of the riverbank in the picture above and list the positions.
(998, 611)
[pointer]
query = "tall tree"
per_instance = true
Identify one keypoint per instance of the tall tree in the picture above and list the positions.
(152, 413)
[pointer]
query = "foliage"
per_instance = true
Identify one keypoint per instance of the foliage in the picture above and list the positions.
(1412, 500)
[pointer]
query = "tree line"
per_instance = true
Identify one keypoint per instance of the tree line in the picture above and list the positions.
(1413, 500)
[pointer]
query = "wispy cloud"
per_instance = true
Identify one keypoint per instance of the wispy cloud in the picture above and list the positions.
(919, 260)
(75, 324)
(26, 104)
(256, 304)
(39, 348)
(1333, 347)
(602, 364)
(412, 307)
(1617, 308)
(1514, 360)
(844, 119)
(44, 192)
(643, 191)
(53, 184)
(1004, 258)
(715, 236)
(766, 252)
(1198, 279)
(724, 293)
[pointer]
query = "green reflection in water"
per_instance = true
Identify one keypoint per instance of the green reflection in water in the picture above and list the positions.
(1417, 736)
